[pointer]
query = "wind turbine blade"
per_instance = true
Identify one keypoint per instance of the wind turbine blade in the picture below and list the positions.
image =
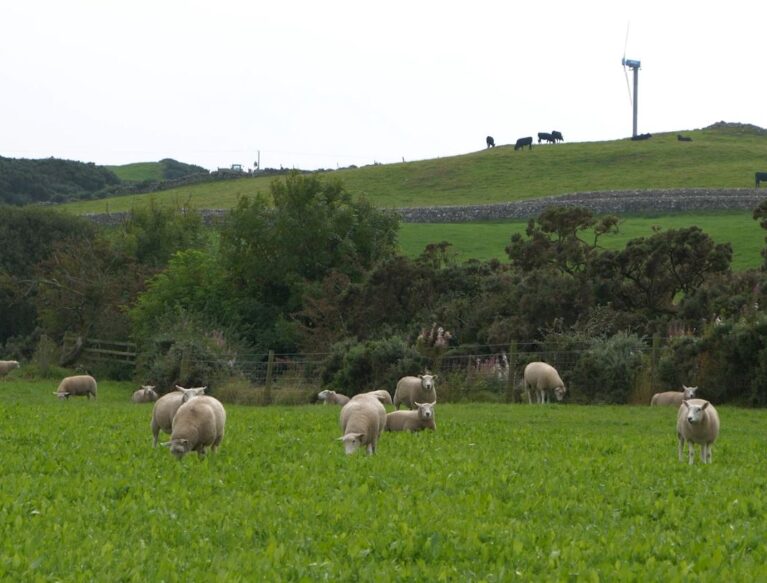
(626, 42)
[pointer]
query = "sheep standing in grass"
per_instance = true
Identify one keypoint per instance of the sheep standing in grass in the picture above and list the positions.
(674, 397)
(542, 378)
(697, 422)
(198, 424)
(381, 394)
(332, 398)
(165, 409)
(422, 418)
(362, 421)
(77, 386)
(411, 389)
(7, 366)
(146, 394)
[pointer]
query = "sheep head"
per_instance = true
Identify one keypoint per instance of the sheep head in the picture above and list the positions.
(191, 393)
(178, 447)
(352, 442)
(427, 381)
(559, 392)
(62, 395)
(689, 392)
(695, 413)
(425, 410)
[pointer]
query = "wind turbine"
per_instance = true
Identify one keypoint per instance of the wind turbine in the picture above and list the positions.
(634, 66)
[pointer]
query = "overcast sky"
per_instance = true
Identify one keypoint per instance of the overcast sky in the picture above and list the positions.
(322, 84)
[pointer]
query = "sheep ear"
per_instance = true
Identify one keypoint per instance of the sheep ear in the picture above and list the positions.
(684, 402)
(420, 376)
(166, 443)
(180, 388)
(706, 404)
(417, 404)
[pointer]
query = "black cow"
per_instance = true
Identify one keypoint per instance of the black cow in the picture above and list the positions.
(760, 176)
(490, 142)
(546, 137)
(557, 136)
(522, 142)
(682, 138)
(638, 137)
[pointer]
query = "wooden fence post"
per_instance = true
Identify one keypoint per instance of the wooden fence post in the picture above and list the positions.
(511, 377)
(268, 383)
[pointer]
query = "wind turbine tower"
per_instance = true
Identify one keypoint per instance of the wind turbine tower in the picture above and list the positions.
(634, 66)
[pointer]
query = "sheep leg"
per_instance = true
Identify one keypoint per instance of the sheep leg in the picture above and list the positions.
(691, 453)
(681, 446)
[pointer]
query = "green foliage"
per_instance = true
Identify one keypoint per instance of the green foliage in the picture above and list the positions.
(598, 495)
(354, 367)
(25, 181)
(152, 233)
(172, 169)
(607, 370)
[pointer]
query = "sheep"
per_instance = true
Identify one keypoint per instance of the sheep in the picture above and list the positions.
(146, 394)
(328, 396)
(198, 423)
(412, 389)
(77, 386)
(165, 409)
(7, 366)
(697, 422)
(381, 394)
(422, 418)
(362, 421)
(674, 397)
(542, 377)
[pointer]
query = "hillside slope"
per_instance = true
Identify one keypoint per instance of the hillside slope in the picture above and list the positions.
(721, 156)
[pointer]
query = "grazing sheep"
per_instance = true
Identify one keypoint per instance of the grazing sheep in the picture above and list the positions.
(674, 397)
(381, 394)
(165, 409)
(362, 421)
(198, 423)
(697, 422)
(333, 398)
(541, 378)
(7, 366)
(146, 394)
(422, 418)
(412, 389)
(77, 386)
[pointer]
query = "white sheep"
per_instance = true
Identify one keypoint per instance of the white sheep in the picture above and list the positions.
(362, 421)
(674, 397)
(380, 394)
(411, 389)
(333, 398)
(146, 394)
(542, 378)
(77, 386)
(421, 418)
(7, 366)
(697, 422)
(166, 406)
(199, 423)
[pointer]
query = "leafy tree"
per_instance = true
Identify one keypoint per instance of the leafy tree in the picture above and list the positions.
(652, 271)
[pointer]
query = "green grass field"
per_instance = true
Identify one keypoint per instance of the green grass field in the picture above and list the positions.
(139, 171)
(497, 493)
(486, 240)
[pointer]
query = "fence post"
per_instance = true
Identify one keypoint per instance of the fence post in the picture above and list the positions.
(268, 383)
(654, 356)
(511, 377)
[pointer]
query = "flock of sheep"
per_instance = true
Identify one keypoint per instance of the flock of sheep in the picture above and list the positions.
(196, 421)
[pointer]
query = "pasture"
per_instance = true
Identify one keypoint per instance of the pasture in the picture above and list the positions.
(497, 493)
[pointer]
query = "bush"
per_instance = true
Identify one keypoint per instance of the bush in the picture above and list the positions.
(606, 372)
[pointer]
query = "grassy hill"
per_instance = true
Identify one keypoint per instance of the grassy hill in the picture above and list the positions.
(139, 171)
(718, 157)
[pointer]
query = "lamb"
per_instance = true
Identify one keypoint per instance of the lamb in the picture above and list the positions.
(199, 423)
(381, 394)
(146, 394)
(362, 421)
(422, 418)
(77, 386)
(412, 389)
(542, 377)
(697, 422)
(165, 409)
(674, 397)
(328, 396)
(7, 366)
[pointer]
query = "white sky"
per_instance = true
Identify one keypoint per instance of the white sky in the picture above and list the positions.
(330, 83)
